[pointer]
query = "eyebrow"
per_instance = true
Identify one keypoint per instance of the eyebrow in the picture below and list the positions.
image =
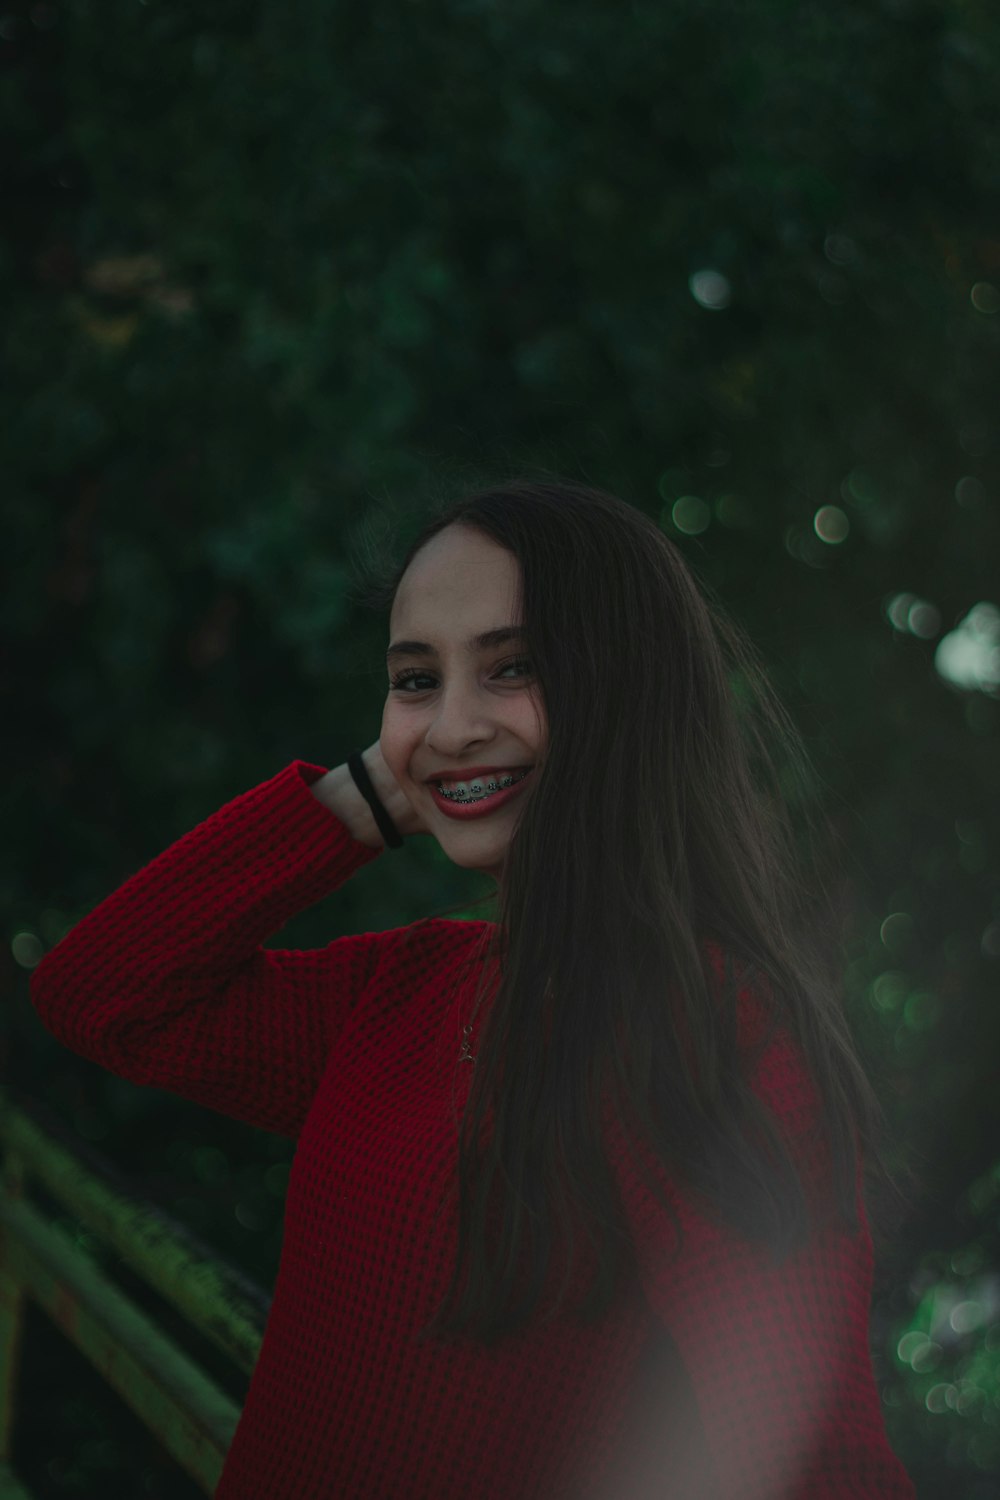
(499, 636)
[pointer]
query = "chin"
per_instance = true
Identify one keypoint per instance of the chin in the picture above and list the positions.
(468, 861)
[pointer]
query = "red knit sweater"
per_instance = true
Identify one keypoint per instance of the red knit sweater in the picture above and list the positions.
(720, 1376)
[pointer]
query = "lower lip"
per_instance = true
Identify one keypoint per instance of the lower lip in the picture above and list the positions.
(465, 810)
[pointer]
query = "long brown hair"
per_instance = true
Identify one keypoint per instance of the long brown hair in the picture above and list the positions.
(676, 804)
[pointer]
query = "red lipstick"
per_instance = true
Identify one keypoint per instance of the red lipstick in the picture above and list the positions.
(481, 808)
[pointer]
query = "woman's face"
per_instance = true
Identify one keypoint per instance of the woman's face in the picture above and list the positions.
(462, 706)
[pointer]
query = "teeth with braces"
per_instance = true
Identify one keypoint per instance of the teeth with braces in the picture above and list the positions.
(475, 790)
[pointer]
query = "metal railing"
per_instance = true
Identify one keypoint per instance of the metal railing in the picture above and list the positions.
(165, 1386)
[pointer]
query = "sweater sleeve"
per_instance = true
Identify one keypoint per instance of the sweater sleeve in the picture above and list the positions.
(776, 1354)
(165, 982)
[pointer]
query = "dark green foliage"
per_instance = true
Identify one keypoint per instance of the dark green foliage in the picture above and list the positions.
(268, 266)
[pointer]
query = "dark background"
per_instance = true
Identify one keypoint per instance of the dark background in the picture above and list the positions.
(266, 267)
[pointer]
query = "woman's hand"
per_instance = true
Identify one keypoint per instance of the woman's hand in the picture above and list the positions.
(337, 792)
(407, 818)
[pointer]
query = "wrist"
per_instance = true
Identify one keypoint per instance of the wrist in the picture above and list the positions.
(360, 774)
(339, 795)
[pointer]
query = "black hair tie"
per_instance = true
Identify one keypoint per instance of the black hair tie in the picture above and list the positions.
(363, 782)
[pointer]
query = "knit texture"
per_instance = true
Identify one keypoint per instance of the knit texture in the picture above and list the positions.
(721, 1375)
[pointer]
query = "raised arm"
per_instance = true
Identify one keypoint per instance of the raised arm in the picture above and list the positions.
(165, 982)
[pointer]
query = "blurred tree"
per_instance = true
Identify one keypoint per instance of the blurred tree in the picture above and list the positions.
(266, 266)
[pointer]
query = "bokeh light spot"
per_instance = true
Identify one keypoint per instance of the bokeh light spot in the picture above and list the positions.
(969, 655)
(970, 1398)
(888, 990)
(859, 487)
(907, 612)
(802, 543)
(985, 298)
(897, 610)
(897, 930)
(910, 1345)
(923, 619)
(970, 492)
(990, 941)
(830, 524)
(690, 514)
(965, 1316)
(927, 1357)
(28, 950)
(710, 289)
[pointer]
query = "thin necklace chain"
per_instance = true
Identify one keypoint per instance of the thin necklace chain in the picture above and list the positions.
(465, 1055)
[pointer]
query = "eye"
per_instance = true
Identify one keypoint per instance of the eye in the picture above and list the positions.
(519, 661)
(400, 681)
(413, 674)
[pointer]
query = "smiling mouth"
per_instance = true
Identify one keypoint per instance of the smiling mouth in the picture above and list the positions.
(479, 788)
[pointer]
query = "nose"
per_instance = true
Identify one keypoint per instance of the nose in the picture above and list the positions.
(462, 718)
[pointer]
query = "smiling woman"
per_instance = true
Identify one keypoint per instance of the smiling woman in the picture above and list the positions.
(468, 710)
(616, 1243)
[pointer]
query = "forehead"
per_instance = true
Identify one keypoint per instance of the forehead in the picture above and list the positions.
(460, 575)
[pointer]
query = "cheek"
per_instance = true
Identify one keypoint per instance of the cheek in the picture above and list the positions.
(394, 739)
(387, 734)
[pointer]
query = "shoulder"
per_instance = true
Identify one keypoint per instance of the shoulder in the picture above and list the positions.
(435, 943)
(442, 932)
